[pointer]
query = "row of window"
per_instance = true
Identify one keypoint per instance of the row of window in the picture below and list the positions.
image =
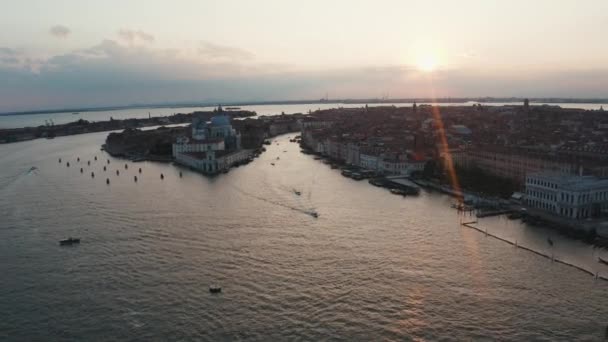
(541, 195)
(542, 183)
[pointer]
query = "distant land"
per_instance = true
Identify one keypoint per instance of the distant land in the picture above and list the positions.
(555, 100)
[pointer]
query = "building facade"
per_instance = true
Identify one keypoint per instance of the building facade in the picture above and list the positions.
(573, 197)
(512, 164)
(213, 146)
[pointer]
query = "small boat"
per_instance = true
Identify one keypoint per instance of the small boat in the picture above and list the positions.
(88, 162)
(602, 261)
(92, 175)
(108, 161)
(180, 174)
(78, 159)
(107, 180)
(126, 166)
(81, 170)
(117, 172)
(514, 216)
(140, 170)
(60, 160)
(135, 178)
(297, 192)
(69, 241)
(162, 176)
(397, 192)
(215, 289)
(68, 164)
(278, 158)
(95, 157)
(104, 168)
(314, 214)
(549, 241)
(272, 164)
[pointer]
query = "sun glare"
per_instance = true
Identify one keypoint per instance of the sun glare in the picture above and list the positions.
(427, 63)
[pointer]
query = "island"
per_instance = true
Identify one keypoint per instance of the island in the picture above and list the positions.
(212, 143)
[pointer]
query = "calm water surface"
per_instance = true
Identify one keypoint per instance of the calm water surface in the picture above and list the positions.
(373, 266)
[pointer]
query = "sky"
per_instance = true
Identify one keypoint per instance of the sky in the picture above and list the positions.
(74, 53)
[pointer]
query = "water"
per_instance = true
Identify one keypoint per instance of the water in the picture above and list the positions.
(373, 266)
(32, 120)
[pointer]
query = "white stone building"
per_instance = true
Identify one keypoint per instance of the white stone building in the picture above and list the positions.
(213, 146)
(574, 197)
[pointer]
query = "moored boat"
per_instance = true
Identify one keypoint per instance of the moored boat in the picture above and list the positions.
(398, 192)
(69, 241)
(215, 289)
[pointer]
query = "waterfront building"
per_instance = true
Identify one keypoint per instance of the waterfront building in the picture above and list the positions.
(213, 146)
(513, 163)
(368, 161)
(569, 196)
(211, 162)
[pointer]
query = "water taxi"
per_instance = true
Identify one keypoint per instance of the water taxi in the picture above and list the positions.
(69, 241)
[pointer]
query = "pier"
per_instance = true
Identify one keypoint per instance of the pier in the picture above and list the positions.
(470, 224)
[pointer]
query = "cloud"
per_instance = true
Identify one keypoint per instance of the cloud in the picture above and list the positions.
(18, 60)
(468, 54)
(215, 51)
(115, 72)
(134, 36)
(59, 31)
(4, 51)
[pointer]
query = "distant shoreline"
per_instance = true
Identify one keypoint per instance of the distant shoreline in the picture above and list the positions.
(552, 100)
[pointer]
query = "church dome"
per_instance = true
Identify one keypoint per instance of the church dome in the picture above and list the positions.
(221, 120)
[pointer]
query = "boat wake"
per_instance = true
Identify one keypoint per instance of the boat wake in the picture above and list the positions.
(12, 179)
(306, 211)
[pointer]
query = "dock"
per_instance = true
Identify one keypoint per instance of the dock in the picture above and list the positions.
(470, 225)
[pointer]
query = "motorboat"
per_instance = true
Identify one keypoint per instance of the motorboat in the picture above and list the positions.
(215, 289)
(69, 241)
(398, 192)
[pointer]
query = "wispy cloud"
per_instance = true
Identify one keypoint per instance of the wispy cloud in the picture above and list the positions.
(216, 51)
(135, 36)
(18, 60)
(59, 31)
(116, 72)
(468, 55)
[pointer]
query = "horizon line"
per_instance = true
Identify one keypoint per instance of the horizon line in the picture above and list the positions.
(210, 103)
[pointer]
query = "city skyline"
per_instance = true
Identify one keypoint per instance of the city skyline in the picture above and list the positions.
(150, 52)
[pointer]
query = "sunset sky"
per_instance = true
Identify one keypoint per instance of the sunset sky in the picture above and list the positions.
(58, 54)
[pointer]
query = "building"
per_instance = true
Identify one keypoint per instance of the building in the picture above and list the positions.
(513, 163)
(211, 162)
(573, 197)
(213, 146)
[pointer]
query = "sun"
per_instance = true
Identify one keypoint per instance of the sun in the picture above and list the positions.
(428, 63)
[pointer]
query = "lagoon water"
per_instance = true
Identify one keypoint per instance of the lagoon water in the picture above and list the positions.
(373, 266)
(32, 120)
